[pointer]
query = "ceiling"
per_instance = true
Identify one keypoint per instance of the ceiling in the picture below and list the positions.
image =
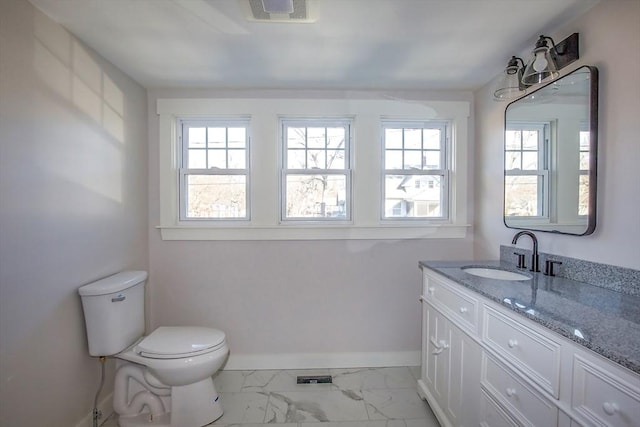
(353, 44)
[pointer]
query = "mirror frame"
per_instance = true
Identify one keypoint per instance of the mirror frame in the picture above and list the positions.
(593, 153)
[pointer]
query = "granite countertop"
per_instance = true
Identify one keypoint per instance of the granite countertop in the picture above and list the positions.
(603, 320)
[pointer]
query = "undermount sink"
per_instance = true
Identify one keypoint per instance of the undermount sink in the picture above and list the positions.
(495, 273)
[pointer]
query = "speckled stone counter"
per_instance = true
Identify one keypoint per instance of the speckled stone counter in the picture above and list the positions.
(603, 320)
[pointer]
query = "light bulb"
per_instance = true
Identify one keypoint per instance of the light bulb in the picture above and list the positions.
(540, 63)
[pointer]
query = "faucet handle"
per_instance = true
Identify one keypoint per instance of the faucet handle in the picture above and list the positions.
(548, 267)
(521, 263)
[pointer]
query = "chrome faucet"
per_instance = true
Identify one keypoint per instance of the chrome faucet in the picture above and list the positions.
(534, 256)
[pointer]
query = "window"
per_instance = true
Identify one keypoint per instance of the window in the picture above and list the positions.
(583, 184)
(214, 173)
(280, 168)
(526, 170)
(316, 173)
(415, 177)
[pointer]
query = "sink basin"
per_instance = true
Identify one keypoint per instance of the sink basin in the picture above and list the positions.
(495, 273)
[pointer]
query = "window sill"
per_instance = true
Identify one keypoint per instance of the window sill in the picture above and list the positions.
(439, 231)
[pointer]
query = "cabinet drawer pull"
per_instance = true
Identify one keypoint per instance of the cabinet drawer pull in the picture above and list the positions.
(610, 408)
(512, 343)
(511, 392)
(463, 310)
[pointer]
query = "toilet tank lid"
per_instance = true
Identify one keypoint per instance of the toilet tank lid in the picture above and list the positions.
(112, 284)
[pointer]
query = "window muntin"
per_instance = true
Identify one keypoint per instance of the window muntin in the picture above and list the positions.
(316, 172)
(214, 173)
(526, 170)
(415, 174)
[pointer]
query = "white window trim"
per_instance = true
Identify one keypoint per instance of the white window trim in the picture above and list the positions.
(265, 114)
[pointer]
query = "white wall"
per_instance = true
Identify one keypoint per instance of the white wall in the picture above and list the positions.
(73, 194)
(609, 40)
(311, 303)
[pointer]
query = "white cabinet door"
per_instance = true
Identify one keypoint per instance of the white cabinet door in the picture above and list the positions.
(451, 366)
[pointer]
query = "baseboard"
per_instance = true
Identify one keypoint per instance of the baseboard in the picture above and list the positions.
(105, 406)
(321, 360)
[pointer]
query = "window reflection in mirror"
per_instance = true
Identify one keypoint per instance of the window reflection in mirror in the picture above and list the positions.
(550, 156)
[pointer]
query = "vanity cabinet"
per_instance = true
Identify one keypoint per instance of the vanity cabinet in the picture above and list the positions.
(483, 364)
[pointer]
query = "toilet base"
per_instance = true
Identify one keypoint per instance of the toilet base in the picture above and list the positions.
(193, 405)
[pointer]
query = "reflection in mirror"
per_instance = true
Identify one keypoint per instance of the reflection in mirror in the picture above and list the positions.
(550, 156)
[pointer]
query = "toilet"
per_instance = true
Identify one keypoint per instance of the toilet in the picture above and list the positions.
(162, 379)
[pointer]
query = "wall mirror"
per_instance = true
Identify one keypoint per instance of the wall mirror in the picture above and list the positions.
(550, 156)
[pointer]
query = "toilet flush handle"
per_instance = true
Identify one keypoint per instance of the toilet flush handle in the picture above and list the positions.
(119, 298)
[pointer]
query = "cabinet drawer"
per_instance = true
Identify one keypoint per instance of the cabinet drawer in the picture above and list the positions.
(458, 305)
(604, 398)
(516, 395)
(492, 415)
(537, 356)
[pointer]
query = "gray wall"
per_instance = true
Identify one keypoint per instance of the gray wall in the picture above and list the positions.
(609, 35)
(292, 297)
(73, 195)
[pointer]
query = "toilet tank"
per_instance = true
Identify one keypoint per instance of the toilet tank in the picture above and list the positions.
(114, 312)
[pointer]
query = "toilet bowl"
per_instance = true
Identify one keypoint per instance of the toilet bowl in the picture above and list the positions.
(180, 360)
(179, 355)
(163, 379)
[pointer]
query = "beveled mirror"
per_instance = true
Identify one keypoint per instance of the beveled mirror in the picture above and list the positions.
(550, 156)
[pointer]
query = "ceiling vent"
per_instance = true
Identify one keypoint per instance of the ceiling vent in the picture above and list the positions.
(294, 11)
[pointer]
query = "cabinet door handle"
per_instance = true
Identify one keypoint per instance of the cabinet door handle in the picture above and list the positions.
(510, 392)
(436, 346)
(439, 346)
(512, 343)
(610, 408)
(463, 310)
(431, 290)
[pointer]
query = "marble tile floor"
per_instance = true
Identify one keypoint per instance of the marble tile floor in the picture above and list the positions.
(359, 397)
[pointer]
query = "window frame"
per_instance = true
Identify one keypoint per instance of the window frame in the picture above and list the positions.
(347, 172)
(444, 172)
(264, 112)
(182, 126)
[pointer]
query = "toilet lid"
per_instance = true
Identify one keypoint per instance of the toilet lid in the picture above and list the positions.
(177, 341)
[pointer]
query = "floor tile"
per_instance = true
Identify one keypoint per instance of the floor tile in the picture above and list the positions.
(243, 408)
(373, 378)
(283, 380)
(367, 397)
(395, 404)
(379, 423)
(325, 406)
(429, 422)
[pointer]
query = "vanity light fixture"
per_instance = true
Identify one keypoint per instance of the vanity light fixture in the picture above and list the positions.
(509, 85)
(546, 61)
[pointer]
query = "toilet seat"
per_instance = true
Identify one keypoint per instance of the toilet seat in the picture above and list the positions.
(176, 342)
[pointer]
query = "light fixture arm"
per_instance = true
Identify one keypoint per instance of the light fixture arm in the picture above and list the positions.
(515, 64)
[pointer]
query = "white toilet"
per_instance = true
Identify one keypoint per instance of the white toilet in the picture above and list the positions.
(163, 379)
